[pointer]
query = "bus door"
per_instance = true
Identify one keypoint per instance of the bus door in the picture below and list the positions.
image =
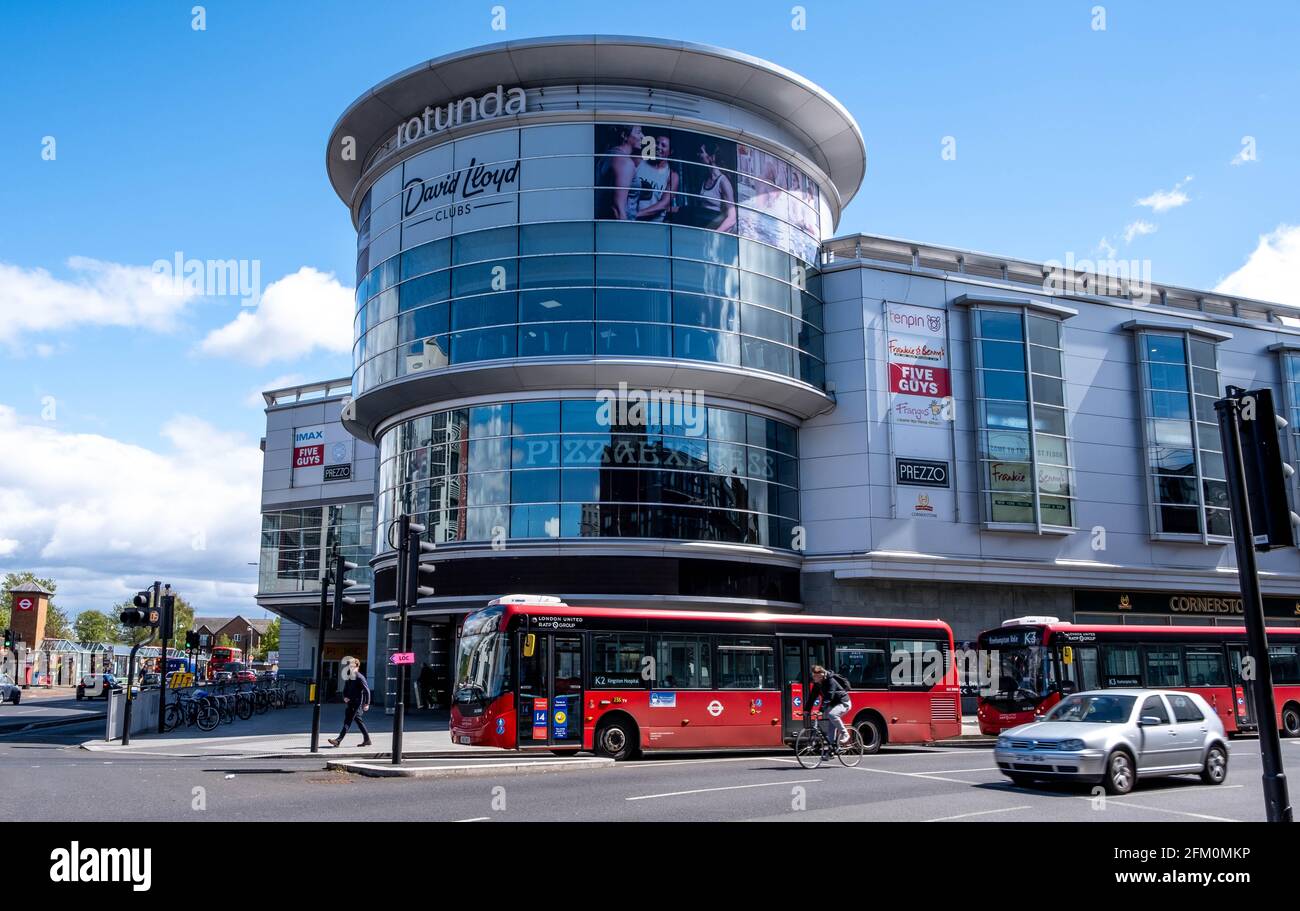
(798, 655)
(550, 689)
(1243, 699)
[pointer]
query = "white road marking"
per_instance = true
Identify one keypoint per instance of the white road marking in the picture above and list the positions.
(955, 771)
(979, 813)
(928, 776)
(734, 787)
(475, 819)
(1138, 806)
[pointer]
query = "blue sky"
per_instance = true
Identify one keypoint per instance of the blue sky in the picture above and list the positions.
(211, 143)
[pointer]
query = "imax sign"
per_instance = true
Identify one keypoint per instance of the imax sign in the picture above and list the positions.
(467, 110)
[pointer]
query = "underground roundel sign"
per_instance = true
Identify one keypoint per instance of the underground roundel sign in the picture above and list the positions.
(23, 602)
(715, 708)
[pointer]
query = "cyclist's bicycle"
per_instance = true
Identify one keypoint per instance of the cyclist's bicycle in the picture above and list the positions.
(812, 747)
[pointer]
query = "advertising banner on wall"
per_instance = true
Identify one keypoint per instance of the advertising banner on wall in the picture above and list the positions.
(321, 452)
(920, 412)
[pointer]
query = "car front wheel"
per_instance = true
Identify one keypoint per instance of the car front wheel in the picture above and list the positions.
(1216, 765)
(1121, 773)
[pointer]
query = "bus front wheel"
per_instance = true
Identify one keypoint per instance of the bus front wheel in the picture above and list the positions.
(616, 740)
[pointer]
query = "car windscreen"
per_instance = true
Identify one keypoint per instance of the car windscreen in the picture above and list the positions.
(1094, 709)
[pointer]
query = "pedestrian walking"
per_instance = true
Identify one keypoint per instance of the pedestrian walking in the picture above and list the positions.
(356, 700)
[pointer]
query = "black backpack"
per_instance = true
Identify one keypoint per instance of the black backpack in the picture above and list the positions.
(840, 679)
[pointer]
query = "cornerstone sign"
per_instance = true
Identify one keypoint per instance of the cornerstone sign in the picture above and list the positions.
(1177, 604)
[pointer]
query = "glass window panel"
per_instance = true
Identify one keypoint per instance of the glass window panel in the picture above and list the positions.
(708, 312)
(1170, 434)
(1005, 415)
(489, 421)
(746, 663)
(705, 278)
(706, 345)
(1203, 354)
(489, 454)
(634, 306)
(556, 339)
(1044, 331)
(534, 486)
(582, 416)
(1002, 356)
(535, 417)
(1010, 508)
(485, 523)
(1003, 384)
(1205, 382)
(1167, 376)
(726, 425)
(766, 291)
(764, 355)
(765, 323)
(580, 485)
(1218, 522)
(1044, 360)
(483, 345)
(424, 322)
(1178, 520)
(556, 271)
(1049, 390)
(497, 243)
(1169, 405)
(1049, 420)
(1000, 325)
(488, 488)
(632, 237)
(1164, 348)
(1010, 476)
(683, 662)
(563, 237)
(634, 339)
(485, 277)
(558, 305)
(426, 258)
(633, 271)
(1003, 444)
(759, 257)
(1056, 511)
(535, 451)
(1052, 450)
(713, 246)
(423, 290)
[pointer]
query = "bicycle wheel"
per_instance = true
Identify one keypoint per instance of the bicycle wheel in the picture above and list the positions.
(261, 704)
(172, 716)
(207, 718)
(852, 751)
(245, 709)
(808, 748)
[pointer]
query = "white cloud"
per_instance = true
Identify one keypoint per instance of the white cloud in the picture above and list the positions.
(103, 517)
(1106, 247)
(1270, 270)
(1137, 229)
(1163, 200)
(297, 314)
(99, 293)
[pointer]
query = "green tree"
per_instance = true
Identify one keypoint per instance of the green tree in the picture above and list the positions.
(270, 641)
(56, 622)
(95, 626)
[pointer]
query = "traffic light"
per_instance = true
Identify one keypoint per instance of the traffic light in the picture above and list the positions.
(141, 612)
(1266, 473)
(167, 615)
(191, 640)
(9, 640)
(341, 586)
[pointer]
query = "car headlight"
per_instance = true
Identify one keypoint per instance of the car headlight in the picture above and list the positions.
(1004, 743)
(1071, 745)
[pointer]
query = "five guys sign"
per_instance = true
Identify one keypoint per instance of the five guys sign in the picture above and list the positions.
(308, 447)
(919, 379)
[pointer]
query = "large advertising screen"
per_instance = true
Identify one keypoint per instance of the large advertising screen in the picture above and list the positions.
(645, 172)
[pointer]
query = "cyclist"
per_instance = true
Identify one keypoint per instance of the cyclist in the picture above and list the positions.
(834, 692)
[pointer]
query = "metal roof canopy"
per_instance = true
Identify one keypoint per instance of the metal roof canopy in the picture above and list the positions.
(832, 136)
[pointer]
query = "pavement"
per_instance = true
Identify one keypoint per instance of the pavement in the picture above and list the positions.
(286, 734)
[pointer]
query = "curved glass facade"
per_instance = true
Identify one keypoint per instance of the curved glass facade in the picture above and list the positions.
(589, 289)
(568, 469)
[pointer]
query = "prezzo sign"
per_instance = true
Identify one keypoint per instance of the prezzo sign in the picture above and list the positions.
(921, 473)
(309, 446)
(434, 120)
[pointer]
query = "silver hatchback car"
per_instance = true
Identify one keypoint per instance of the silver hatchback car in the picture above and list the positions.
(1116, 736)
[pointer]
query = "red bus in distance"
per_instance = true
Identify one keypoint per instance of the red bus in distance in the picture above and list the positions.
(1029, 663)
